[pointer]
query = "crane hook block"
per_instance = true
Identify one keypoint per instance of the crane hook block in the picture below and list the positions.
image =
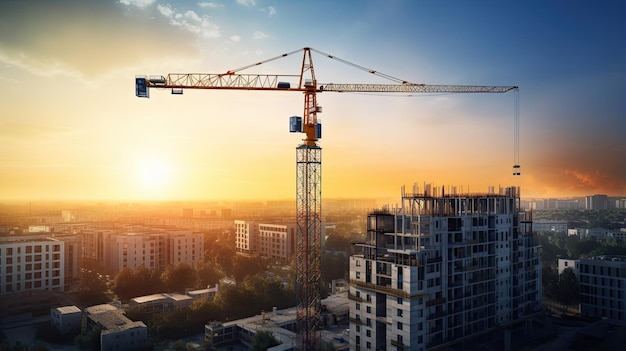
(516, 170)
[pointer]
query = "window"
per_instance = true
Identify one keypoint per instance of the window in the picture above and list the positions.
(399, 325)
(369, 309)
(399, 312)
(358, 306)
(399, 301)
(368, 332)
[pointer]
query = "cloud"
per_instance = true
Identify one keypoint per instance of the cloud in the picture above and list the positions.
(271, 11)
(235, 38)
(247, 2)
(166, 10)
(84, 38)
(259, 35)
(191, 22)
(209, 4)
(138, 3)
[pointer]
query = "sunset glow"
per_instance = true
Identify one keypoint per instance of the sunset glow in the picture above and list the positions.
(72, 128)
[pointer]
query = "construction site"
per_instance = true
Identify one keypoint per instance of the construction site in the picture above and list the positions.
(308, 160)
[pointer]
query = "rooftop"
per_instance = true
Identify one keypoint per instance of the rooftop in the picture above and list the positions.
(68, 309)
(100, 308)
(114, 321)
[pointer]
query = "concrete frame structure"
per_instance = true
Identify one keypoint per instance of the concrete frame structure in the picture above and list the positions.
(443, 269)
(602, 281)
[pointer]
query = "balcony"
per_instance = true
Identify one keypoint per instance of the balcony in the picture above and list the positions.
(354, 298)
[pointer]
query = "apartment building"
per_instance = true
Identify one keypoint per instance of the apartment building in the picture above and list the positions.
(442, 269)
(31, 263)
(136, 246)
(275, 240)
(246, 237)
(602, 281)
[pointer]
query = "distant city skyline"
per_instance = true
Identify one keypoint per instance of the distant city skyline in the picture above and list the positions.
(72, 128)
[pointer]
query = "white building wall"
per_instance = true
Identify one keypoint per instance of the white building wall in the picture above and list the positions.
(36, 264)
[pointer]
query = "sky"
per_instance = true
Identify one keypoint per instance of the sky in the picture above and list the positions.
(71, 127)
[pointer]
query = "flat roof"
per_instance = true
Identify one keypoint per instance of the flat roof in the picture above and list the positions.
(68, 309)
(274, 322)
(100, 308)
(177, 297)
(148, 298)
(115, 321)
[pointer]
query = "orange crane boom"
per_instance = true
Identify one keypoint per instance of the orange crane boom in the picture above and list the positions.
(308, 155)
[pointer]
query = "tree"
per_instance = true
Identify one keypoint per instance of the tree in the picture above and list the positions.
(179, 277)
(550, 281)
(124, 284)
(208, 274)
(568, 287)
(244, 266)
(263, 340)
(92, 289)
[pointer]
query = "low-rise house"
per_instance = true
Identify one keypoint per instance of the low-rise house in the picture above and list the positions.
(160, 303)
(117, 332)
(66, 319)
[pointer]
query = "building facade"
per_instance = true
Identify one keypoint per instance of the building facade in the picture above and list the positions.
(133, 247)
(31, 263)
(246, 237)
(602, 281)
(597, 202)
(66, 319)
(266, 239)
(443, 269)
(277, 241)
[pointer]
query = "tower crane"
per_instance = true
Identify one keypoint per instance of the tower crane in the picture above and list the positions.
(309, 154)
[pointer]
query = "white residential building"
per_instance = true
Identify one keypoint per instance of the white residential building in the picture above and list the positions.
(563, 263)
(31, 263)
(246, 237)
(443, 269)
(277, 241)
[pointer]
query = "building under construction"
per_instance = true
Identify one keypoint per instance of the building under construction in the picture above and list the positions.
(442, 270)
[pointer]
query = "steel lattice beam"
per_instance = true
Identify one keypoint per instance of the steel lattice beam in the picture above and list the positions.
(308, 245)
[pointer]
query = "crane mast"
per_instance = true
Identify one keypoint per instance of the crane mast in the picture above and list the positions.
(309, 156)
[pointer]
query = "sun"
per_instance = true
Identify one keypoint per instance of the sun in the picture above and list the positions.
(152, 172)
